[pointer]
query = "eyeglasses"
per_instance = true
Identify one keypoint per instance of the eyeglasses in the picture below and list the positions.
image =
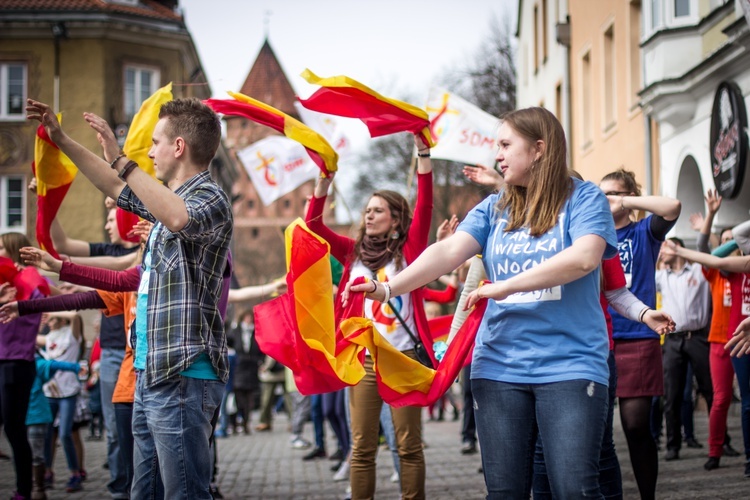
(617, 193)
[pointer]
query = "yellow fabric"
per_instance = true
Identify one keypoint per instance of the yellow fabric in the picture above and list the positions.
(139, 139)
(397, 370)
(298, 131)
(345, 81)
(53, 167)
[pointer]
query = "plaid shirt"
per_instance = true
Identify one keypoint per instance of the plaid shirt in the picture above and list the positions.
(186, 281)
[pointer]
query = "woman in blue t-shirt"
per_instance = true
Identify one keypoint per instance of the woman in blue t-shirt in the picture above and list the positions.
(540, 360)
(637, 347)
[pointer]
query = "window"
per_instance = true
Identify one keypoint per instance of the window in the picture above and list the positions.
(634, 52)
(535, 37)
(681, 8)
(544, 30)
(609, 93)
(140, 83)
(655, 14)
(12, 90)
(12, 203)
(586, 99)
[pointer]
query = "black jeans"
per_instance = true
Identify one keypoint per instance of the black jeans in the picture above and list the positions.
(469, 427)
(16, 379)
(679, 349)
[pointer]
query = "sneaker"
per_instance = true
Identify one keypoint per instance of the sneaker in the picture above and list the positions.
(336, 466)
(263, 428)
(693, 443)
(83, 474)
(468, 448)
(215, 493)
(49, 480)
(343, 473)
(395, 477)
(712, 463)
(74, 484)
(300, 443)
(729, 451)
(337, 456)
(315, 453)
(672, 454)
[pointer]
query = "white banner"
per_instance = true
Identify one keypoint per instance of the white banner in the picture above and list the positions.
(328, 127)
(463, 132)
(277, 165)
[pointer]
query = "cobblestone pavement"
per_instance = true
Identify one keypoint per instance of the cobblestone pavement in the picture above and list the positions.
(265, 466)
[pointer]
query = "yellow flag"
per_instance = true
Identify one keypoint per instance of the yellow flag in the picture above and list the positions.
(138, 141)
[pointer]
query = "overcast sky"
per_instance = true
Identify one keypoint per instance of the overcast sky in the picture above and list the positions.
(385, 44)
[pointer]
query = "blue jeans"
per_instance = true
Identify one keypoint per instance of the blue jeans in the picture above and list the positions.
(570, 418)
(66, 407)
(742, 369)
(109, 370)
(316, 412)
(610, 477)
(171, 432)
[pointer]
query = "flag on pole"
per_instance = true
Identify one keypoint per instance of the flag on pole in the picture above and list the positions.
(54, 173)
(277, 165)
(463, 132)
(317, 147)
(328, 127)
(343, 96)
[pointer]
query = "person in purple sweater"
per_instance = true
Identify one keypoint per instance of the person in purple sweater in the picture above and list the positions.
(17, 372)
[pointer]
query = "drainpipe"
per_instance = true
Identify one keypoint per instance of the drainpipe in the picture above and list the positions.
(58, 32)
(647, 153)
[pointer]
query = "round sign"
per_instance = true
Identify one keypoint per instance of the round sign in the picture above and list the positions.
(728, 143)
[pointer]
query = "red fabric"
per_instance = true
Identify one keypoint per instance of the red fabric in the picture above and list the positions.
(47, 208)
(380, 117)
(96, 352)
(342, 248)
(440, 327)
(722, 377)
(262, 116)
(613, 278)
(125, 222)
(441, 296)
(25, 281)
(740, 296)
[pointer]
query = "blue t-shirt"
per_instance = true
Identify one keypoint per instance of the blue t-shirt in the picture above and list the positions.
(639, 250)
(550, 335)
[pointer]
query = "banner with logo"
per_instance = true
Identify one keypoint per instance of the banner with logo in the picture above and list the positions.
(463, 132)
(277, 165)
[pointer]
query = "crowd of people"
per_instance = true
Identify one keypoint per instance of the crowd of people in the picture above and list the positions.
(570, 272)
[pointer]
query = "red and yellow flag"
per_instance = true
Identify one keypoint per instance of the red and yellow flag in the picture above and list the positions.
(298, 330)
(136, 147)
(317, 147)
(343, 96)
(54, 173)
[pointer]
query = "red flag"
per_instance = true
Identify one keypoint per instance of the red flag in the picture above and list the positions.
(343, 96)
(54, 174)
(25, 281)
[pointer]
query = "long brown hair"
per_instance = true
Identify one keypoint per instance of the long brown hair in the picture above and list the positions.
(13, 242)
(393, 248)
(538, 205)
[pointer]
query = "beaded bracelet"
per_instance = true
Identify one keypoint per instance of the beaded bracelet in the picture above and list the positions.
(387, 290)
(112, 163)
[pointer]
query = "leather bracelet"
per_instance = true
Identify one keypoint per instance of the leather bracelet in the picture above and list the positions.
(127, 169)
(423, 155)
(112, 163)
(374, 282)
(643, 313)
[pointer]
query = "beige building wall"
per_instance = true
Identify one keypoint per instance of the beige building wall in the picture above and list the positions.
(608, 126)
